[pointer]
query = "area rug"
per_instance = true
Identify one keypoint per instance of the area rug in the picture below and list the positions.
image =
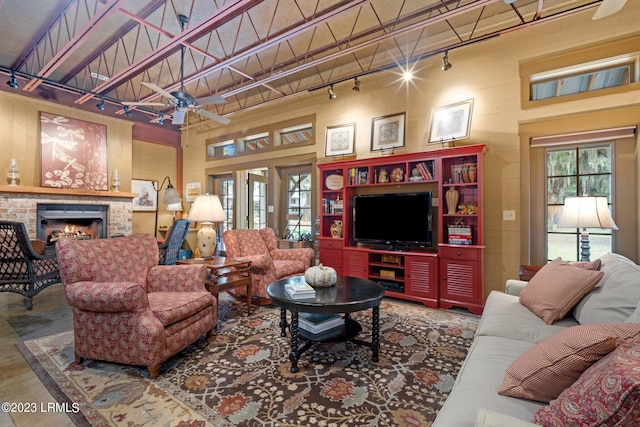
(241, 377)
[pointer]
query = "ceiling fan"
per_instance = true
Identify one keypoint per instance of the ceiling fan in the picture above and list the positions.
(180, 99)
(608, 7)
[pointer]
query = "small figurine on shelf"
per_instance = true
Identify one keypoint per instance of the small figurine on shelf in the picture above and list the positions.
(383, 176)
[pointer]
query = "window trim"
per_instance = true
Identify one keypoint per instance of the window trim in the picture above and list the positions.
(574, 58)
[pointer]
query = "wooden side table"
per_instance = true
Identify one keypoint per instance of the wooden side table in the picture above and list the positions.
(225, 274)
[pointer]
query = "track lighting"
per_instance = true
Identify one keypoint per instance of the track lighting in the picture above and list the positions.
(13, 83)
(126, 111)
(100, 105)
(161, 119)
(332, 94)
(356, 85)
(445, 61)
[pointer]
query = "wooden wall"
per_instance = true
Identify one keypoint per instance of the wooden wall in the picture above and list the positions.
(488, 72)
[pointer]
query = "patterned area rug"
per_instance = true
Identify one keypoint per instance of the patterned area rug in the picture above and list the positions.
(241, 377)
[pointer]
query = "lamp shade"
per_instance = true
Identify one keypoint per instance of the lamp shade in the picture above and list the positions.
(207, 208)
(586, 212)
(175, 207)
(171, 195)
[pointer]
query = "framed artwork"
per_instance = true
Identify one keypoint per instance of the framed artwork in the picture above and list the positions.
(146, 195)
(340, 140)
(451, 122)
(73, 153)
(193, 191)
(387, 132)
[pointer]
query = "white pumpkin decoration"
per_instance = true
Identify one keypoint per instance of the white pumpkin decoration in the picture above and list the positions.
(320, 276)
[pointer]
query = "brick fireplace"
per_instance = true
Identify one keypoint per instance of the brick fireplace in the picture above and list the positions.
(21, 204)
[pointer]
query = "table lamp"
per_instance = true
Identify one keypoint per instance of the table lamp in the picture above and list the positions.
(586, 212)
(207, 209)
(174, 207)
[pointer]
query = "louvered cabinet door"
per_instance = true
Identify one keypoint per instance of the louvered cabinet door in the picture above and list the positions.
(461, 278)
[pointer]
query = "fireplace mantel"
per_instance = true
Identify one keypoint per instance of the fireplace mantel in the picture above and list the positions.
(21, 189)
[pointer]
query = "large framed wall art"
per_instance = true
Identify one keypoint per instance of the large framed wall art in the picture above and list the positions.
(73, 153)
(340, 140)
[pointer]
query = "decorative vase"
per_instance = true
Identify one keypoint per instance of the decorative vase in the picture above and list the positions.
(452, 196)
(336, 228)
(472, 172)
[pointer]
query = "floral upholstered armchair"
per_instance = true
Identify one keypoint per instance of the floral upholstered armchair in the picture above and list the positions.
(128, 309)
(268, 263)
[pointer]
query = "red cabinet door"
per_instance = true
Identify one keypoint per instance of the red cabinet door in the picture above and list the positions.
(356, 264)
(421, 276)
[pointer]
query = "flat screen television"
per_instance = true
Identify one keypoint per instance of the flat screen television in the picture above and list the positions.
(400, 220)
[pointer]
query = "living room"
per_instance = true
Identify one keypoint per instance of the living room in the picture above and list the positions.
(493, 73)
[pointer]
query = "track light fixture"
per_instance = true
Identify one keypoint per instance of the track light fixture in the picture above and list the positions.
(127, 112)
(332, 94)
(356, 85)
(445, 61)
(13, 83)
(100, 105)
(161, 119)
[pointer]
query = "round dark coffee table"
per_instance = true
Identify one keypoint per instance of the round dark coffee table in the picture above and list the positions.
(349, 294)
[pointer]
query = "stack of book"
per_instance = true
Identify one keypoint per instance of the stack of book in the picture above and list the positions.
(300, 290)
(320, 324)
(460, 235)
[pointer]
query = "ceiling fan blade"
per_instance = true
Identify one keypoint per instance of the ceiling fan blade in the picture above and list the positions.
(178, 117)
(213, 99)
(157, 89)
(213, 116)
(608, 7)
(145, 104)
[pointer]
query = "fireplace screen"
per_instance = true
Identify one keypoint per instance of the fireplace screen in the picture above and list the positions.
(58, 221)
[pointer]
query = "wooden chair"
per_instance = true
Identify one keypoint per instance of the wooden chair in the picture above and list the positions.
(171, 246)
(22, 269)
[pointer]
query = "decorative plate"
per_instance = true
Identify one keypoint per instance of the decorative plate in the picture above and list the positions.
(334, 182)
(397, 175)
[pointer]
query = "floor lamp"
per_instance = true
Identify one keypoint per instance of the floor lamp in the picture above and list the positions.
(174, 207)
(207, 209)
(586, 212)
(170, 196)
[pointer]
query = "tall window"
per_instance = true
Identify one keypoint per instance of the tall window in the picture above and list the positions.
(582, 170)
(226, 197)
(298, 218)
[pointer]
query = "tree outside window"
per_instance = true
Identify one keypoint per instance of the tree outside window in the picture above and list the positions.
(584, 170)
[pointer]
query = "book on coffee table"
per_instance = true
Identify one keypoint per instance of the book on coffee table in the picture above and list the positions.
(318, 323)
(300, 290)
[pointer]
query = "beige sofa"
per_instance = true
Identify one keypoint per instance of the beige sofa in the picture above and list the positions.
(508, 329)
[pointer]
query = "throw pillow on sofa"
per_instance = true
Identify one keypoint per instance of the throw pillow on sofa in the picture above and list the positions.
(557, 288)
(555, 363)
(616, 296)
(606, 394)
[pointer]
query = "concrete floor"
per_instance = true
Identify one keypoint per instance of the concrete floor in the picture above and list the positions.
(18, 382)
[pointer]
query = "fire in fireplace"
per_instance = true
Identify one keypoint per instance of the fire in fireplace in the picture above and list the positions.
(78, 221)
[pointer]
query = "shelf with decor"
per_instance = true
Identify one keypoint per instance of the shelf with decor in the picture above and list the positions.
(461, 231)
(422, 177)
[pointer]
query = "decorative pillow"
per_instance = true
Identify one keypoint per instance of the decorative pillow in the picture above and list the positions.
(587, 265)
(616, 296)
(556, 288)
(487, 418)
(607, 394)
(546, 369)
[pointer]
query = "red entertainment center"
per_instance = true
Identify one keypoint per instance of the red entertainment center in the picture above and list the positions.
(440, 264)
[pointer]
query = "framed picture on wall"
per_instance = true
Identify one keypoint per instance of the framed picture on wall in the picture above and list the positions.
(193, 191)
(451, 122)
(146, 195)
(387, 132)
(340, 140)
(73, 153)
